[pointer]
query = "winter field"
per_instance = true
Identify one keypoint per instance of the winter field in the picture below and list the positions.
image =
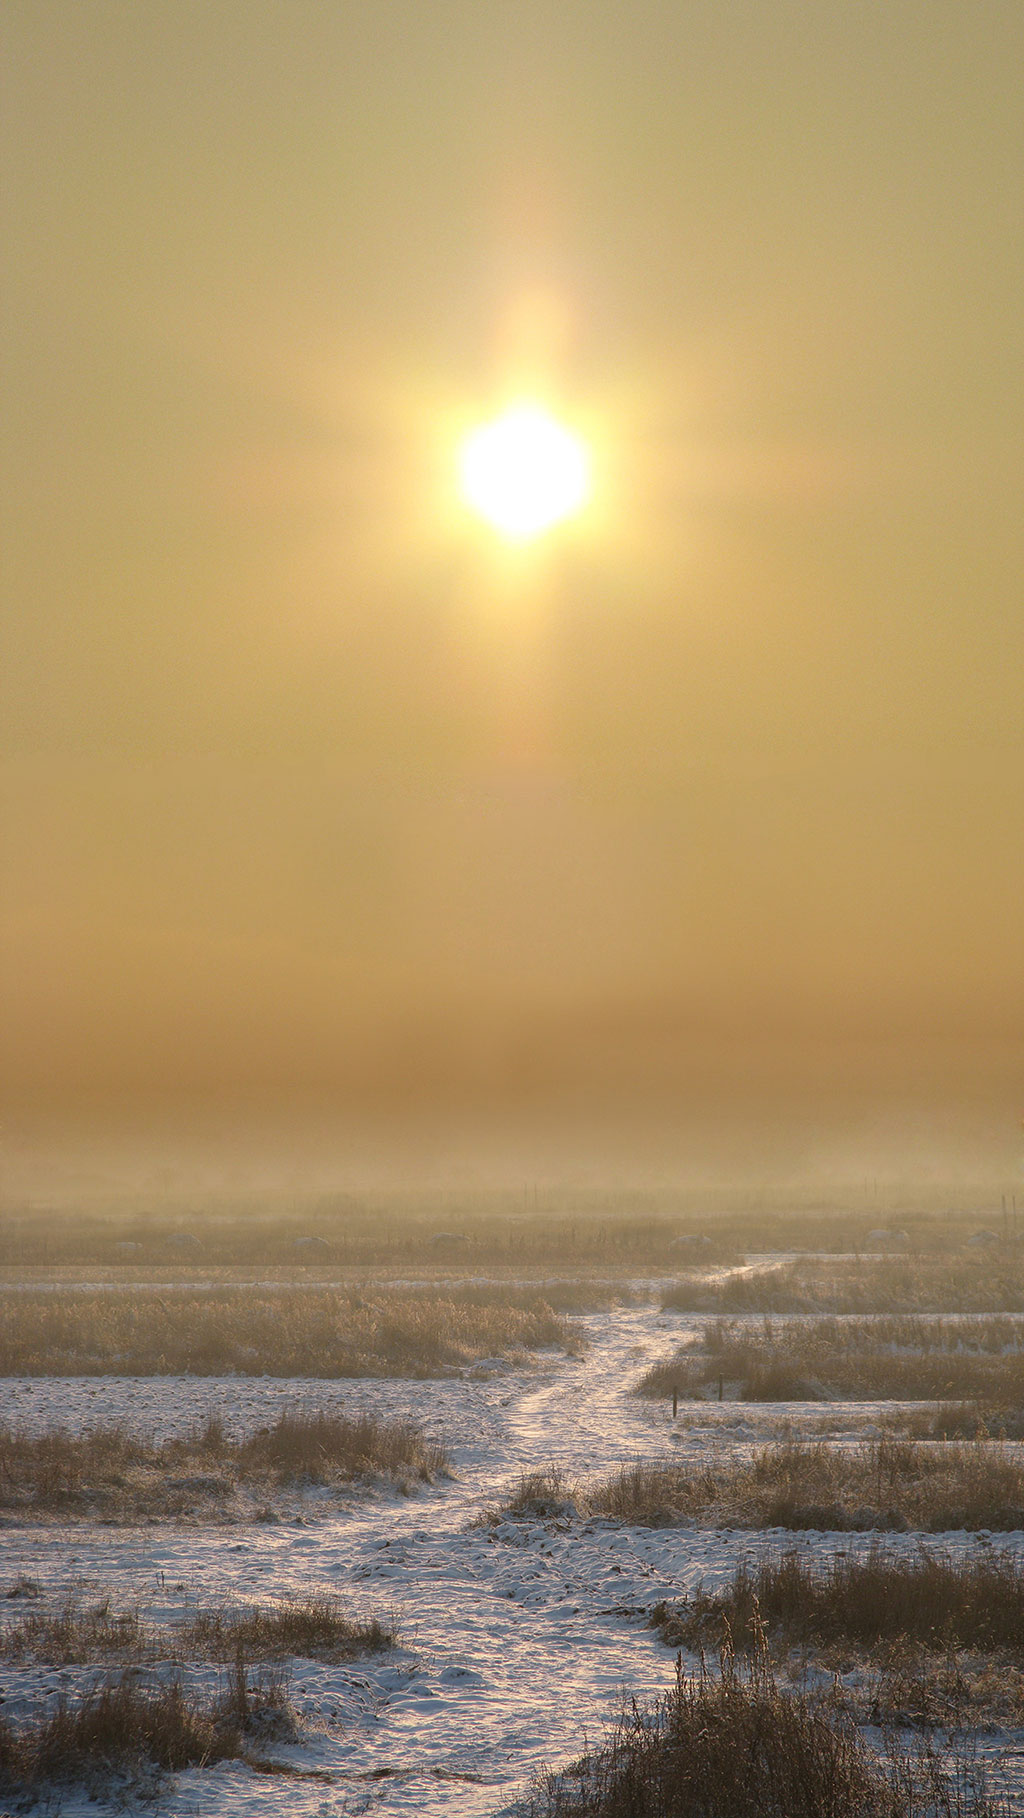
(557, 1539)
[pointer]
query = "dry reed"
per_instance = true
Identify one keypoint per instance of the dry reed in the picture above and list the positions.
(892, 1357)
(294, 1332)
(973, 1602)
(733, 1745)
(888, 1484)
(113, 1474)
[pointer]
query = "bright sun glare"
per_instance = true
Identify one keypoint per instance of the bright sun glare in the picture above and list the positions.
(524, 472)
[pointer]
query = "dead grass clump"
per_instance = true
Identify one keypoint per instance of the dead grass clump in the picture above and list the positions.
(73, 1634)
(109, 1474)
(56, 1470)
(260, 1710)
(692, 1373)
(975, 1602)
(116, 1726)
(312, 1628)
(317, 1447)
(24, 1586)
(906, 1358)
(545, 1495)
(729, 1745)
(655, 1495)
(885, 1484)
(911, 1686)
(971, 1420)
(584, 1295)
(105, 1473)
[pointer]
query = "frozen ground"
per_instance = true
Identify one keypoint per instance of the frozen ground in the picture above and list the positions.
(516, 1640)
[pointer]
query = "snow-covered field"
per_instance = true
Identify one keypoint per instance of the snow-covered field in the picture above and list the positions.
(516, 1640)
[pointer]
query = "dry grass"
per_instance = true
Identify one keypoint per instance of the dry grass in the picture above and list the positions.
(889, 1484)
(294, 1332)
(908, 1685)
(75, 1634)
(545, 1495)
(732, 1745)
(924, 1642)
(584, 1294)
(991, 1281)
(120, 1726)
(111, 1474)
(567, 1229)
(631, 1232)
(126, 1728)
(903, 1357)
(313, 1447)
(313, 1628)
(975, 1602)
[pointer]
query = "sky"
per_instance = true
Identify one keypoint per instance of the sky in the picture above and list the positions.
(318, 798)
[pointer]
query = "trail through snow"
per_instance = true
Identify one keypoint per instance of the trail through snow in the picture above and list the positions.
(518, 1639)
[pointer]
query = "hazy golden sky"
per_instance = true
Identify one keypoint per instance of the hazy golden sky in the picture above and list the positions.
(311, 789)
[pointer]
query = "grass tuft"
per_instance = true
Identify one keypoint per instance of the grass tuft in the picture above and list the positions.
(732, 1745)
(546, 1495)
(313, 1628)
(116, 1726)
(108, 1472)
(886, 1484)
(318, 1447)
(72, 1635)
(975, 1602)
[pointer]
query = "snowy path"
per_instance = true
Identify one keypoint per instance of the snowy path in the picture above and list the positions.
(517, 1640)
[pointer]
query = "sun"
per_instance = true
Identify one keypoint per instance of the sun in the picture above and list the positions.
(524, 472)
